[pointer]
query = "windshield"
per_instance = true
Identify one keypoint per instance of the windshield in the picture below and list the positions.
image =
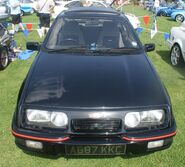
(92, 33)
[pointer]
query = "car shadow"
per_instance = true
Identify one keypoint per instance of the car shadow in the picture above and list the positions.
(126, 156)
(70, 157)
(170, 19)
(165, 55)
(41, 155)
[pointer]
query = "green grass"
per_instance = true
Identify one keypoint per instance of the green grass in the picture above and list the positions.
(173, 79)
(33, 35)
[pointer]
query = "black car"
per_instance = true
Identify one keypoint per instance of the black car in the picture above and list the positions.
(92, 90)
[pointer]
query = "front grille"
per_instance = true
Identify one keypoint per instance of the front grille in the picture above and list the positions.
(96, 125)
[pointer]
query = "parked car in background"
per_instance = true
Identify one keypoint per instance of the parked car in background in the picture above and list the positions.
(167, 11)
(5, 38)
(4, 11)
(92, 90)
(177, 44)
(6, 46)
(178, 16)
(163, 7)
(28, 6)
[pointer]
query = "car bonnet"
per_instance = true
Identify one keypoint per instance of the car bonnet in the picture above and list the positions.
(69, 80)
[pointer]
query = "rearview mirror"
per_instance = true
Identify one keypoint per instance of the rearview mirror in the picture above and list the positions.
(149, 47)
(33, 46)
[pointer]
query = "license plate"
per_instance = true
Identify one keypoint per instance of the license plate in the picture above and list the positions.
(95, 149)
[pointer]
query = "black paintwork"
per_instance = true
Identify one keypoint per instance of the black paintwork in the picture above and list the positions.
(82, 83)
(69, 80)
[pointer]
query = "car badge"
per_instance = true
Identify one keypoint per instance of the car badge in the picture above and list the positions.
(96, 115)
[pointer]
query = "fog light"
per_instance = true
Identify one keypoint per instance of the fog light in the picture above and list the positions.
(155, 144)
(34, 144)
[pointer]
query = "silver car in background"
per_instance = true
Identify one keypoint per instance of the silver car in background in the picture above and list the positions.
(177, 45)
(4, 10)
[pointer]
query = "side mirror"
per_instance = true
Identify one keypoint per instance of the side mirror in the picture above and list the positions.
(149, 47)
(33, 46)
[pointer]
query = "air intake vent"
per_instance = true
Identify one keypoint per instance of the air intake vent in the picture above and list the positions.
(96, 125)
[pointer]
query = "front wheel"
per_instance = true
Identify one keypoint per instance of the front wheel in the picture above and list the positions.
(3, 59)
(176, 56)
(179, 18)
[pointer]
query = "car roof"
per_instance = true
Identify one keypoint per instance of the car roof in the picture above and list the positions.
(91, 10)
(95, 1)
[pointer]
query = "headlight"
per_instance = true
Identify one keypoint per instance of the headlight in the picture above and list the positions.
(38, 116)
(46, 118)
(132, 119)
(59, 119)
(144, 118)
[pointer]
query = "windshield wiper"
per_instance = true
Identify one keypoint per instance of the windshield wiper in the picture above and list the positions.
(125, 49)
(73, 48)
(114, 50)
(97, 50)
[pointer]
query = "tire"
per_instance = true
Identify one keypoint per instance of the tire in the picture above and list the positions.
(3, 58)
(179, 18)
(162, 14)
(176, 56)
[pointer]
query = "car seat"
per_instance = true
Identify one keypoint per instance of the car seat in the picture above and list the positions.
(109, 35)
(71, 34)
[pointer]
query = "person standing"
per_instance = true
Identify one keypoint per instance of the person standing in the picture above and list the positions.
(156, 6)
(45, 7)
(15, 11)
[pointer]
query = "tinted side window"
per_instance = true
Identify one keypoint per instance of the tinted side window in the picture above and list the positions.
(179, 6)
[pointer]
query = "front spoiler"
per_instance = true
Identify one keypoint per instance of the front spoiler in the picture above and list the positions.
(56, 144)
(67, 138)
(59, 148)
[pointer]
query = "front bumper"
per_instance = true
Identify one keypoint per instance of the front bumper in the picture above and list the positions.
(170, 43)
(135, 143)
